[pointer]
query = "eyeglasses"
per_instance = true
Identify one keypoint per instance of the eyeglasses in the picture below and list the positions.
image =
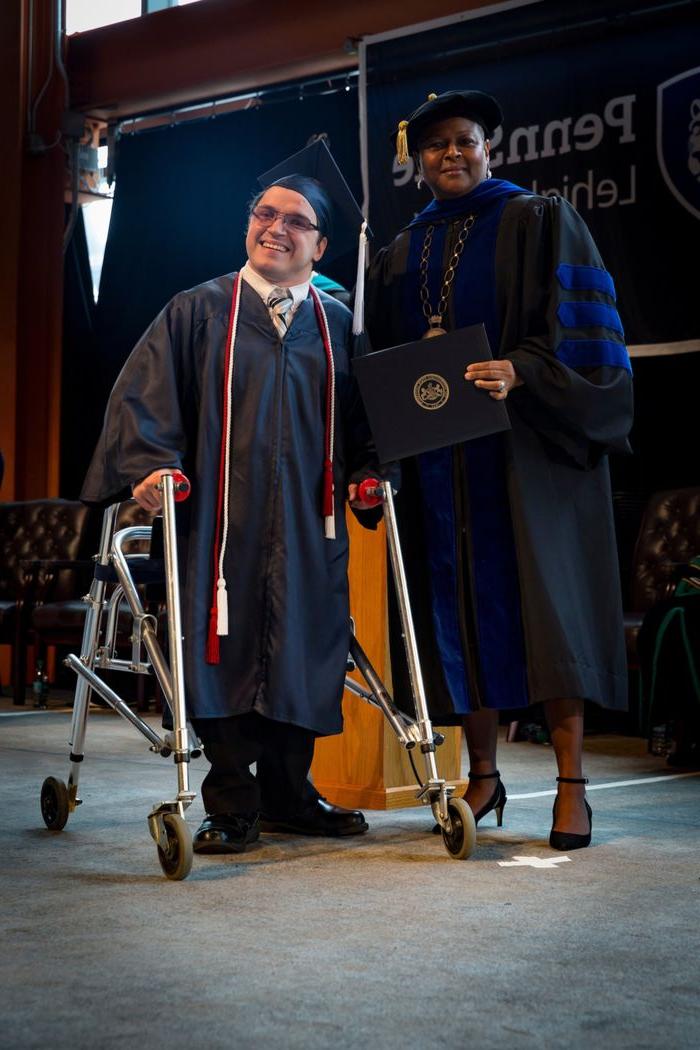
(267, 216)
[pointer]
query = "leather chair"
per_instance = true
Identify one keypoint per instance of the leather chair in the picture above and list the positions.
(669, 536)
(34, 535)
(60, 619)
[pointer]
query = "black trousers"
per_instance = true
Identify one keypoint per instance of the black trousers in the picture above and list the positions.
(282, 753)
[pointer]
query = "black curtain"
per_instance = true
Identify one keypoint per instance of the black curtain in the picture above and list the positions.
(79, 412)
(178, 219)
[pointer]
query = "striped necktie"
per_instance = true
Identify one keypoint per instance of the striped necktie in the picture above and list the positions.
(280, 303)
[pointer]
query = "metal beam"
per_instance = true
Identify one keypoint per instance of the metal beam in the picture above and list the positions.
(219, 47)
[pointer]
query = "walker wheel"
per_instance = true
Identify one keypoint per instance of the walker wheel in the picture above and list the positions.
(176, 859)
(54, 804)
(460, 842)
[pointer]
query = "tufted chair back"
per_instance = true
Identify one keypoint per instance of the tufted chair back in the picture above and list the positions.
(45, 530)
(41, 529)
(668, 536)
(60, 622)
(60, 614)
(131, 514)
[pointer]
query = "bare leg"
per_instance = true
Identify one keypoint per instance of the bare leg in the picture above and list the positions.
(565, 721)
(481, 732)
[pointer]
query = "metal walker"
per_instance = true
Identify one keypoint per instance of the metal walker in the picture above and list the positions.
(117, 572)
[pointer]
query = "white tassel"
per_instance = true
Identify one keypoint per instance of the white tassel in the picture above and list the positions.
(329, 526)
(358, 317)
(221, 606)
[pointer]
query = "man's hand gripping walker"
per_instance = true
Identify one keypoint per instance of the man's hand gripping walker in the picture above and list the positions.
(453, 815)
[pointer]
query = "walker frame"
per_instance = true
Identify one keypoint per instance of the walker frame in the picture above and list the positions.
(166, 820)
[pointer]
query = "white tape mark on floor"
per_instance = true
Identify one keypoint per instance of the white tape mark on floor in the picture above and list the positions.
(612, 784)
(533, 862)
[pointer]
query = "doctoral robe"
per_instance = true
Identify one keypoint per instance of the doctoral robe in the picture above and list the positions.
(286, 650)
(509, 540)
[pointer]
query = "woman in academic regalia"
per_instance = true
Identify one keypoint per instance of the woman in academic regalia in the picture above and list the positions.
(511, 560)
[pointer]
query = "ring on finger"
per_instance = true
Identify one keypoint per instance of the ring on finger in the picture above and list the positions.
(502, 385)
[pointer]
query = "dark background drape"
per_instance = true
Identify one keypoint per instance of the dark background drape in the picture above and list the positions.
(178, 219)
(80, 362)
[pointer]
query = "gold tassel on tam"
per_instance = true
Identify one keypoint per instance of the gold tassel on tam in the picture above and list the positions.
(402, 135)
(402, 143)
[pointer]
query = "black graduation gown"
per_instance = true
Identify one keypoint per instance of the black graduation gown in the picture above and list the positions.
(564, 420)
(286, 651)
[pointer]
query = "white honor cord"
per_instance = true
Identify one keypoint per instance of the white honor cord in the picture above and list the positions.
(221, 596)
(358, 317)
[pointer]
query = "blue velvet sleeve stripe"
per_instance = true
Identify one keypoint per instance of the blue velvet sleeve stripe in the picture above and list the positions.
(593, 353)
(585, 278)
(589, 315)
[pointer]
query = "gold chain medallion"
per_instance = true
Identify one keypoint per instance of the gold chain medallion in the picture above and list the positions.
(435, 319)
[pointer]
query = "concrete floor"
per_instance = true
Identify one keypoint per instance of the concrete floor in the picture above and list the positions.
(370, 942)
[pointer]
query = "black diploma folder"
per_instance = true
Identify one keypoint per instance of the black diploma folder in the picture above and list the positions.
(417, 398)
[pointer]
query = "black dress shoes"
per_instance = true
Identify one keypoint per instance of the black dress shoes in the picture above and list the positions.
(318, 818)
(226, 833)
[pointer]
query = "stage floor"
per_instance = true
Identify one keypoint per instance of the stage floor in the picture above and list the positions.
(375, 941)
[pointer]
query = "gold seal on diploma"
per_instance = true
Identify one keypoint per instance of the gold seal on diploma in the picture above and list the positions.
(431, 391)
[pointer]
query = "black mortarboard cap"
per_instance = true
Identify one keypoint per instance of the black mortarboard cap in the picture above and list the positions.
(473, 105)
(316, 161)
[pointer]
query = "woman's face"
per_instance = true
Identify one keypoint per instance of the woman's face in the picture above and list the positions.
(453, 157)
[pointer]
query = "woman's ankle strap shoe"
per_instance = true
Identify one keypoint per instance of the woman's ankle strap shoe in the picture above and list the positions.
(570, 840)
(497, 801)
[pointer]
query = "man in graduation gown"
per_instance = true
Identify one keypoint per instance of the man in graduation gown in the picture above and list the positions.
(244, 384)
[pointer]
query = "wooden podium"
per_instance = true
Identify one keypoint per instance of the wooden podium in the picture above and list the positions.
(365, 766)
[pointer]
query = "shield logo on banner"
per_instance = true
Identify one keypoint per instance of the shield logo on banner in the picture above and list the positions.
(678, 137)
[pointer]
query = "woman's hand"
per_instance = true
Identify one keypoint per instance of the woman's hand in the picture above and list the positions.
(497, 377)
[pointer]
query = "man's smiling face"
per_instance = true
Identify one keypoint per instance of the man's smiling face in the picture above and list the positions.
(282, 255)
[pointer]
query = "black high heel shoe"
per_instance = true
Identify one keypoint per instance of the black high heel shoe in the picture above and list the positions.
(498, 800)
(568, 840)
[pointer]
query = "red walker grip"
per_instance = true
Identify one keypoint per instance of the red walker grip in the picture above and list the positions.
(181, 486)
(367, 492)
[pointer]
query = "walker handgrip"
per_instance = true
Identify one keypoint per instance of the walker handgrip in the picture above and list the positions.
(181, 487)
(370, 492)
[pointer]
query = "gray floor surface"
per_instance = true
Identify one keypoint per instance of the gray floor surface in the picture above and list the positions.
(370, 942)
